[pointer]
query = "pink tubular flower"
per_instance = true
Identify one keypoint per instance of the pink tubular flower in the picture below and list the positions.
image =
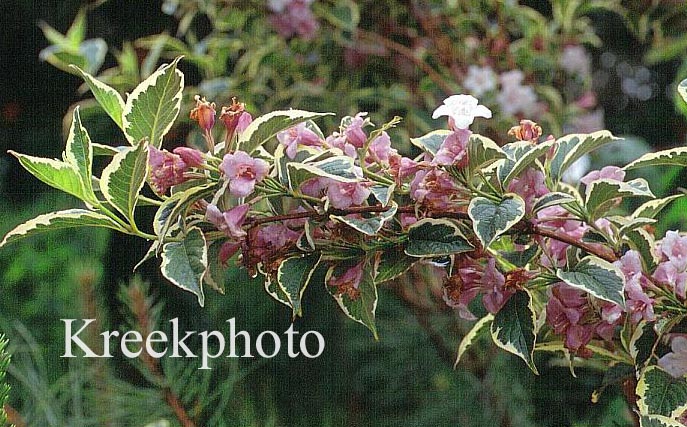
(454, 149)
(675, 362)
(554, 250)
(192, 157)
(276, 236)
(345, 194)
(436, 189)
(672, 270)
(354, 131)
(339, 141)
(203, 113)
(638, 304)
(612, 173)
(462, 110)
(380, 149)
(494, 287)
(529, 186)
(166, 169)
(243, 172)
(297, 135)
(229, 222)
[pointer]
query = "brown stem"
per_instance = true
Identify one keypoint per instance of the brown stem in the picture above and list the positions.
(437, 78)
(629, 386)
(523, 226)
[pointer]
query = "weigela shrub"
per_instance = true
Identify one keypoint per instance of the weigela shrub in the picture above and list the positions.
(556, 266)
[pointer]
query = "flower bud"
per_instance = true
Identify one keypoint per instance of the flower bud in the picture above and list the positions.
(166, 169)
(527, 131)
(193, 158)
(203, 113)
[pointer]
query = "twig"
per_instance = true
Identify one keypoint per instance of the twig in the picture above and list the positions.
(14, 417)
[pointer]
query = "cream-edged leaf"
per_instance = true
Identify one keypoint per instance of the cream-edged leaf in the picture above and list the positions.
(69, 218)
(431, 141)
(184, 263)
(123, 178)
(55, 173)
(520, 155)
(472, 335)
(598, 277)
(653, 207)
(369, 224)
(79, 154)
(293, 276)
(672, 157)
(153, 106)
(435, 237)
(513, 327)
(108, 98)
(490, 219)
(570, 148)
(661, 394)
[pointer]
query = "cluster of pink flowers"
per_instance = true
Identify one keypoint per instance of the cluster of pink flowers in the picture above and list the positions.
(293, 18)
(169, 169)
(672, 270)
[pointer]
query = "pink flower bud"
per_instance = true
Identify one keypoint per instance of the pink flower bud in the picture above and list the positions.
(192, 157)
(297, 135)
(235, 118)
(526, 131)
(203, 113)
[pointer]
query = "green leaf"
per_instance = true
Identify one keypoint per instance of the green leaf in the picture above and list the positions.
(184, 263)
(513, 327)
(266, 127)
(658, 421)
(293, 276)
(57, 174)
(435, 237)
(153, 106)
(362, 308)
(552, 199)
(643, 242)
(369, 224)
(338, 168)
(661, 394)
(275, 291)
(169, 212)
(601, 194)
(597, 277)
(672, 157)
(520, 155)
(124, 177)
(482, 152)
(472, 335)
(383, 193)
(79, 154)
(432, 141)
(653, 207)
(491, 219)
(69, 218)
(392, 263)
(108, 98)
(572, 147)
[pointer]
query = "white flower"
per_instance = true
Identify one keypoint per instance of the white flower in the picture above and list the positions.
(575, 60)
(514, 99)
(511, 79)
(462, 109)
(278, 6)
(480, 80)
(675, 363)
(577, 170)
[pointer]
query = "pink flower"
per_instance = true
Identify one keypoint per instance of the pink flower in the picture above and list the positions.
(494, 287)
(243, 172)
(612, 173)
(554, 250)
(166, 169)
(229, 222)
(473, 279)
(674, 247)
(227, 251)
(454, 149)
(564, 311)
(380, 149)
(345, 194)
(339, 141)
(672, 270)
(350, 279)
(193, 158)
(235, 118)
(294, 17)
(575, 60)
(529, 186)
(314, 187)
(354, 131)
(436, 189)
(675, 362)
(276, 236)
(462, 110)
(297, 135)
(638, 304)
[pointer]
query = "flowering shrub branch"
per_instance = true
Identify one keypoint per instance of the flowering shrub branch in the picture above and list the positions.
(556, 266)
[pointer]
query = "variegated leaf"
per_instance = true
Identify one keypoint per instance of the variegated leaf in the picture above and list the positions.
(482, 152)
(361, 308)
(79, 154)
(572, 147)
(661, 394)
(602, 194)
(520, 154)
(266, 127)
(153, 106)
(672, 157)
(435, 237)
(432, 141)
(513, 327)
(57, 174)
(369, 224)
(293, 277)
(70, 218)
(490, 219)
(552, 199)
(124, 177)
(653, 207)
(339, 168)
(658, 421)
(108, 98)
(472, 335)
(598, 277)
(184, 263)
